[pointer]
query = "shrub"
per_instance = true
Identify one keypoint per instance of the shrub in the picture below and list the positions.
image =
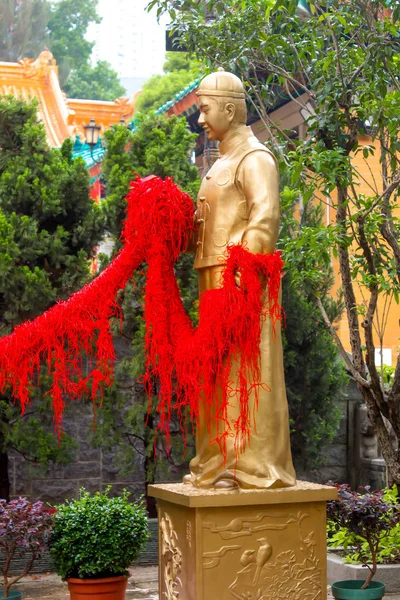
(367, 519)
(97, 536)
(389, 547)
(24, 531)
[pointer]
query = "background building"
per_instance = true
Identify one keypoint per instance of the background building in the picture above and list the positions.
(130, 39)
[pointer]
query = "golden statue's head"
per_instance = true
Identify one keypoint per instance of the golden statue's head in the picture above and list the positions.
(222, 104)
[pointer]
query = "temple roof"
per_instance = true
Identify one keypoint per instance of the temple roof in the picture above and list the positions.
(182, 95)
(62, 117)
(38, 79)
(91, 156)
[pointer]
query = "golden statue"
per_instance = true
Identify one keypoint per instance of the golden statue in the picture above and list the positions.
(238, 202)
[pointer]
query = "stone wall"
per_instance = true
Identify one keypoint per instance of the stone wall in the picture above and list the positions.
(335, 455)
(93, 468)
(352, 457)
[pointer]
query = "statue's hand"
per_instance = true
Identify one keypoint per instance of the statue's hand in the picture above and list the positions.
(238, 278)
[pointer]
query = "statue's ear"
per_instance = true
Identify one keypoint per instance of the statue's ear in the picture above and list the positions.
(230, 109)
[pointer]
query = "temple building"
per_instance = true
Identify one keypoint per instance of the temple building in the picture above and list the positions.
(63, 117)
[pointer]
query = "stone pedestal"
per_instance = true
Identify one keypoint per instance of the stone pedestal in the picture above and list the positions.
(245, 544)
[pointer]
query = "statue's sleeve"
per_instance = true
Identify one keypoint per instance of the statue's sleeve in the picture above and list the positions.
(258, 177)
(191, 245)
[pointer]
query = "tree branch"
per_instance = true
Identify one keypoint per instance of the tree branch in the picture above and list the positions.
(369, 319)
(348, 289)
(279, 71)
(393, 400)
(26, 570)
(361, 380)
(25, 456)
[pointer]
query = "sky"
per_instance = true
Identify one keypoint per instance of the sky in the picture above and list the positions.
(130, 39)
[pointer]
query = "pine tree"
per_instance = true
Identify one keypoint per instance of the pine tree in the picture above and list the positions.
(314, 372)
(49, 228)
(158, 146)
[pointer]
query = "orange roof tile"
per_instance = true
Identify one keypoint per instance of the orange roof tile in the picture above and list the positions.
(62, 118)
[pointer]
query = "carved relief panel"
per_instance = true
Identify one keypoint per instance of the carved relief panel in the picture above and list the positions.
(171, 558)
(266, 553)
(177, 553)
(244, 551)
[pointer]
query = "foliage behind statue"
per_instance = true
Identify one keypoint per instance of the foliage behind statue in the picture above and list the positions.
(49, 228)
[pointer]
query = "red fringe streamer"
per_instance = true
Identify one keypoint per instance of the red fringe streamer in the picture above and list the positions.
(192, 365)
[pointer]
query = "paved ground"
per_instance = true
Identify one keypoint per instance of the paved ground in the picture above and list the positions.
(143, 585)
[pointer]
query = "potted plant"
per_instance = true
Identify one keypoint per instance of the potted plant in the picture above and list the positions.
(24, 532)
(94, 540)
(369, 518)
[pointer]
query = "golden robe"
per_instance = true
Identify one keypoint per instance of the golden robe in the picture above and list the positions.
(238, 202)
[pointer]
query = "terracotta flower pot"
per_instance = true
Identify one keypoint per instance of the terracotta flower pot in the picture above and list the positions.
(111, 588)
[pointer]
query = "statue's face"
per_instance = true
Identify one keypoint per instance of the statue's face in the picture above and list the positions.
(215, 122)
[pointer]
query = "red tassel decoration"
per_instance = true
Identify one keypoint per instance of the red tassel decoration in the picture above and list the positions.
(192, 365)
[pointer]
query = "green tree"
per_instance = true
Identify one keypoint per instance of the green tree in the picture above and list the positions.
(23, 28)
(94, 83)
(68, 26)
(342, 58)
(179, 72)
(79, 79)
(28, 26)
(157, 146)
(314, 371)
(49, 228)
(181, 61)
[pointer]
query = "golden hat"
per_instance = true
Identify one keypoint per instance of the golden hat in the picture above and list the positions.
(221, 83)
